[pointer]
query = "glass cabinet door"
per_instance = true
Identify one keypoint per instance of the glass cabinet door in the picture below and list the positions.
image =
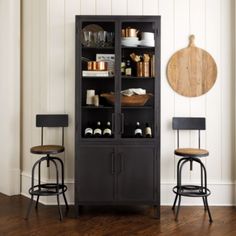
(97, 52)
(138, 78)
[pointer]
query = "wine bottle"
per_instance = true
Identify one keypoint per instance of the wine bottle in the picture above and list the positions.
(107, 130)
(88, 131)
(123, 65)
(138, 131)
(148, 131)
(98, 131)
(128, 69)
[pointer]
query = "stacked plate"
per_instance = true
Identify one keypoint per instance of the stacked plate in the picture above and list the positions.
(130, 41)
(147, 39)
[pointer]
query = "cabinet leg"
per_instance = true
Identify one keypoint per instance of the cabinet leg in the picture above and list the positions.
(77, 211)
(156, 212)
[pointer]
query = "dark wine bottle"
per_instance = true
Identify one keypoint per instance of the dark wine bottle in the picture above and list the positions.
(88, 132)
(107, 130)
(148, 131)
(98, 131)
(138, 131)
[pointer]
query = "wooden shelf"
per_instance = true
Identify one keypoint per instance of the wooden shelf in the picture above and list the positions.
(98, 77)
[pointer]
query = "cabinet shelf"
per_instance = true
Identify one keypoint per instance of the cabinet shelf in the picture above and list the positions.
(97, 108)
(139, 47)
(143, 107)
(97, 48)
(98, 77)
(135, 77)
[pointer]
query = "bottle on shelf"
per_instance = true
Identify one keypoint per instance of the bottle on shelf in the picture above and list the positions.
(148, 131)
(122, 66)
(88, 132)
(138, 131)
(128, 68)
(107, 131)
(98, 131)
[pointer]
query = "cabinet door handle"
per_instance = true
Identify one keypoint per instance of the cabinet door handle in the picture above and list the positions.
(113, 123)
(121, 123)
(121, 163)
(112, 163)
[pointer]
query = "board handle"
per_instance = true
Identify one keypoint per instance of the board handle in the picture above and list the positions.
(191, 40)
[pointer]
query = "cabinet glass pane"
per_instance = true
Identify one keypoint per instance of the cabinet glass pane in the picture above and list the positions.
(97, 75)
(137, 76)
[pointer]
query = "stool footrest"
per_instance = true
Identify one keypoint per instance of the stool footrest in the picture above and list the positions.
(192, 191)
(47, 189)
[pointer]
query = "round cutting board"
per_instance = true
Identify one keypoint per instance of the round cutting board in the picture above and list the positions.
(191, 71)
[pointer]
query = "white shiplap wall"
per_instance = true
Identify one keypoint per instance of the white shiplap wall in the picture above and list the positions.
(48, 80)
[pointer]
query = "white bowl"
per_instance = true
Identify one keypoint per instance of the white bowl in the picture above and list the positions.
(148, 43)
(147, 36)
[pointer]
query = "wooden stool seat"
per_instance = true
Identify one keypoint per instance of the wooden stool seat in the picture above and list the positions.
(191, 152)
(47, 149)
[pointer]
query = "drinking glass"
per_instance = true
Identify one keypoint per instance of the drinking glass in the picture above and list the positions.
(88, 38)
(110, 38)
(95, 39)
(102, 38)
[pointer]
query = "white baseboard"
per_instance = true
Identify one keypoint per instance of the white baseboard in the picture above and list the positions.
(222, 193)
(10, 182)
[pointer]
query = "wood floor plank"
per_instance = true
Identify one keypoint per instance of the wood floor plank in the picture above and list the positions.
(112, 221)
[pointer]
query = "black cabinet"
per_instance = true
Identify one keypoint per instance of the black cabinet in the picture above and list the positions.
(120, 169)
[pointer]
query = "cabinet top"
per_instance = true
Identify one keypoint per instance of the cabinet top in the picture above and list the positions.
(118, 17)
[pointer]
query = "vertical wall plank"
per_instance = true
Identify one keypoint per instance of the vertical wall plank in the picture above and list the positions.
(197, 104)
(167, 105)
(182, 104)
(119, 7)
(26, 85)
(88, 7)
(213, 109)
(72, 8)
(103, 7)
(227, 89)
(150, 7)
(135, 7)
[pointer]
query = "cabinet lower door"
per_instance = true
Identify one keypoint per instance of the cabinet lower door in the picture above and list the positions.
(136, 168)
(95, 174)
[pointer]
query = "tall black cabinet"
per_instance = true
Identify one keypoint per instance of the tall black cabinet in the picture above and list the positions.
(122, 169)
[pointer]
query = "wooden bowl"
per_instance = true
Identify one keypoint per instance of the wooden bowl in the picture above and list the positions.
(132, 101)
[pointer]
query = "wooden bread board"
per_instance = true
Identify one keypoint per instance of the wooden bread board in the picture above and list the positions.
(191, 71)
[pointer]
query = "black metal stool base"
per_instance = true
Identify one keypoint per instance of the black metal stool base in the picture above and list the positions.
(191, 190)
(48, 189)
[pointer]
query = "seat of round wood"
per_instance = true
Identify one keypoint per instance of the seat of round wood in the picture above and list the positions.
(47, 149)
(191, 152)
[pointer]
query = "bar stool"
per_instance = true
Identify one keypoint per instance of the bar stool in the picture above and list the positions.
(190, 155)
(58, 187)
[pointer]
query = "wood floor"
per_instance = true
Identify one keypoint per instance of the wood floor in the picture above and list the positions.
(112, 221)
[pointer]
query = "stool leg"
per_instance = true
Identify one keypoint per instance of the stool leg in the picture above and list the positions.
(204, 203)
(57, 188)
(176, 197)
(208, 210)
(62, 181)
(29, 207)
(37, 201)
(177, 213)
